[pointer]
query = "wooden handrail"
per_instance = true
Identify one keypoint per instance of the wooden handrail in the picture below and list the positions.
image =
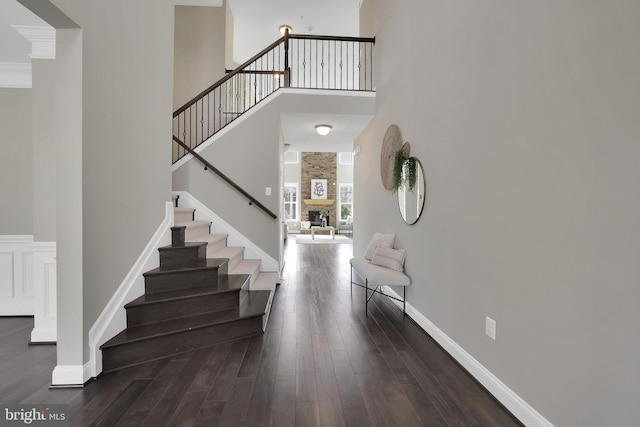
(252, 200)
(336, 38)
(227, 77)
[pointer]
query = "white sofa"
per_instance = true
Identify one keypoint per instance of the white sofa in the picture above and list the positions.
(297, 227)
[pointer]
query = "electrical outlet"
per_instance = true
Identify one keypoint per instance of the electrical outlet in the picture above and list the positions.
(490, 328)
(267, 191)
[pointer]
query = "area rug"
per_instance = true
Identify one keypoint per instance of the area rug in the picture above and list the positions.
(321, 239)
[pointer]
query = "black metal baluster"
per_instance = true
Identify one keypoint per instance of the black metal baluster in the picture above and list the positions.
(371, 64)
(322, 65)
(341, 63)
(256, 91)
(222, 92)
(298, 64)
(184, 130)
(202, 137)
(353, 71)
(335, 61)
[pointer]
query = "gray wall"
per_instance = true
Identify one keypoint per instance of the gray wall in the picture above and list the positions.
(16, 204)
(199, 50)
(249, 154)
(126, 127)
(44, 152)
(525, 116)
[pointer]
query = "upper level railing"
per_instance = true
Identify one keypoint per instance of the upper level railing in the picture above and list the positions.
(295, 61)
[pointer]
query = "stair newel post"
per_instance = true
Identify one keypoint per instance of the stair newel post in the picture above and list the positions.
(286, 58)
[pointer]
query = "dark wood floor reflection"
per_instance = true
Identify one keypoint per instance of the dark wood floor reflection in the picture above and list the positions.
(321, 362)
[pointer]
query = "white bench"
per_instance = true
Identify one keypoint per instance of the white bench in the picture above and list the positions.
(375, 277)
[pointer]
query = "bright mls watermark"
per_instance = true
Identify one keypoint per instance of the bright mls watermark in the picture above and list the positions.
(35, 415)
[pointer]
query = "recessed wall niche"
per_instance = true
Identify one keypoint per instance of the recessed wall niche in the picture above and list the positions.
(318, 166)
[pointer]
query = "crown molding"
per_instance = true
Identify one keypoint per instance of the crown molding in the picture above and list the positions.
(43, 40)
(15, 75)
(214, 3)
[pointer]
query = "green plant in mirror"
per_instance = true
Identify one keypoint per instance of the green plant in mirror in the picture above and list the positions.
(411, 172)
(404, 172)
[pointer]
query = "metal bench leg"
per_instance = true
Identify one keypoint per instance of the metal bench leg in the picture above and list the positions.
(366, 294)
(351, 280)
(404, 300)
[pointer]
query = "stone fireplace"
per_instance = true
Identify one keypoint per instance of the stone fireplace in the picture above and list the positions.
(318, 166)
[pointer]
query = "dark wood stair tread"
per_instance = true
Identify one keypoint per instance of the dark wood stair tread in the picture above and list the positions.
(254, 305)
(226, 283)
(184, 246)
(204, 264)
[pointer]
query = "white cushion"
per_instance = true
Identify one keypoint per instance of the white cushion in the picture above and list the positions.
(377, 275)
(389, 258)
(379, 239)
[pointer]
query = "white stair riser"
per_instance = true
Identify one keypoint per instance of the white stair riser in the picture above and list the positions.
(235, 260)
(183, 216)
(217, 248)
(248, 266)
(196, 230)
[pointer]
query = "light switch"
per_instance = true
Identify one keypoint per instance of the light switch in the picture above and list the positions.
(267, 191)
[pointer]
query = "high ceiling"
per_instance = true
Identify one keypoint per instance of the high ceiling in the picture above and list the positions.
(256, 24)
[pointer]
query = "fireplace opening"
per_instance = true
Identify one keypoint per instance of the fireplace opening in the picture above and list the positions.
(316, 219)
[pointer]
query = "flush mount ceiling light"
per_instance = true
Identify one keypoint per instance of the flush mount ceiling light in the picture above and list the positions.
(283, 29)
(323, 129)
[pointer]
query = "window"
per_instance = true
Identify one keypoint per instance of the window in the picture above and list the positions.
(345, 158)
(291, 201)
(346, 201)
(291, 157)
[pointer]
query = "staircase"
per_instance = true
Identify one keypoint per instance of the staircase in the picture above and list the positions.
(203, 293)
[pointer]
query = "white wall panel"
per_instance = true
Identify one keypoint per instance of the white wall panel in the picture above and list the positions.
(6, 274)
(16, 278)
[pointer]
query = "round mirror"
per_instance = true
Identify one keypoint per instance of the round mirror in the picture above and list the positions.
(411, 193)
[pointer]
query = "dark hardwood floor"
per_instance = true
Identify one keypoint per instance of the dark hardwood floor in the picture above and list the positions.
(321, 362)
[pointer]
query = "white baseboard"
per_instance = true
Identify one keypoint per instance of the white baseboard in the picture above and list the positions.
(113, 318)
(514, 403)
(44, 335)
(68, 375)
(251, 250)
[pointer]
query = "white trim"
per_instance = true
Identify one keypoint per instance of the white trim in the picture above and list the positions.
(297, 202)
(16, 275)
(13, 238)
(68, 375)
(212, 3)
(113, 318)
(261, 105)
(514, 403)
(45, 322)
(251, 250)
(43, 40)
(15, 75)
